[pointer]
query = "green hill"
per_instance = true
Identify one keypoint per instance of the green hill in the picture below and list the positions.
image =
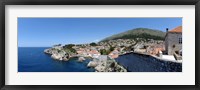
(144, 33)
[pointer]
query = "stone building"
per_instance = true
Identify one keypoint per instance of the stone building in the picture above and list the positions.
(173, 40)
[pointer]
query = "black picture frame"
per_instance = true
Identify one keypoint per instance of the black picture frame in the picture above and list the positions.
(3, 3)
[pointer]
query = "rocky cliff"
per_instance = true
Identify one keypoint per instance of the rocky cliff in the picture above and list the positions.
(107, 65)
(57, 54)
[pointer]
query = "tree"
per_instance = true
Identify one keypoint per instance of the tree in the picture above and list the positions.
(69, 48)
(93, 44)
(104, 52)
(57, 45)
(112, 48)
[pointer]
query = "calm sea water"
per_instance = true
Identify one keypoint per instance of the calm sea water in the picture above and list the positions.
(33, 59)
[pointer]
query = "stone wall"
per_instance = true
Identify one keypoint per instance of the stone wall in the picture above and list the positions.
(145, 63)
(172, 43)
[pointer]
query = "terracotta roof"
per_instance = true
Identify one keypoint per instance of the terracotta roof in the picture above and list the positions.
(177, 29)
(94, 52)
(114, 56)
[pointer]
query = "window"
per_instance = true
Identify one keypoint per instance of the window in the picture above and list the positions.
(180, 40)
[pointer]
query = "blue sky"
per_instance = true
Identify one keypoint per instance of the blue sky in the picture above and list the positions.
(45, 32)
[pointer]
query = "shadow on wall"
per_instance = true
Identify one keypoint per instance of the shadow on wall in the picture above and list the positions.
(144, 63)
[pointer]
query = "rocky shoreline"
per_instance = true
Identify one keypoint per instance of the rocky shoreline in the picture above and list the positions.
(109, 65)
(101, 64)
(57, 54)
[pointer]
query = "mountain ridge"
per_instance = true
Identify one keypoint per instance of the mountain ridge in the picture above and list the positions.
(145, 33)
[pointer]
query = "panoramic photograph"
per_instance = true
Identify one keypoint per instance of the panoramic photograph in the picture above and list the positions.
(100, 44)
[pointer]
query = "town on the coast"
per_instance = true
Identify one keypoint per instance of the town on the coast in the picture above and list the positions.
(164, 47)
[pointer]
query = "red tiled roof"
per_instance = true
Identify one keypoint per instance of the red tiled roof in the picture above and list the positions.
(94, 52)
(113, 55)
(177, 29)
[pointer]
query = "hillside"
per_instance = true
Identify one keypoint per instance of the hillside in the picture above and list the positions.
(138, 33)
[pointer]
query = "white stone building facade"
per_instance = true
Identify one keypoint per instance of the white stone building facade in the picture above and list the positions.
(173, 40)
